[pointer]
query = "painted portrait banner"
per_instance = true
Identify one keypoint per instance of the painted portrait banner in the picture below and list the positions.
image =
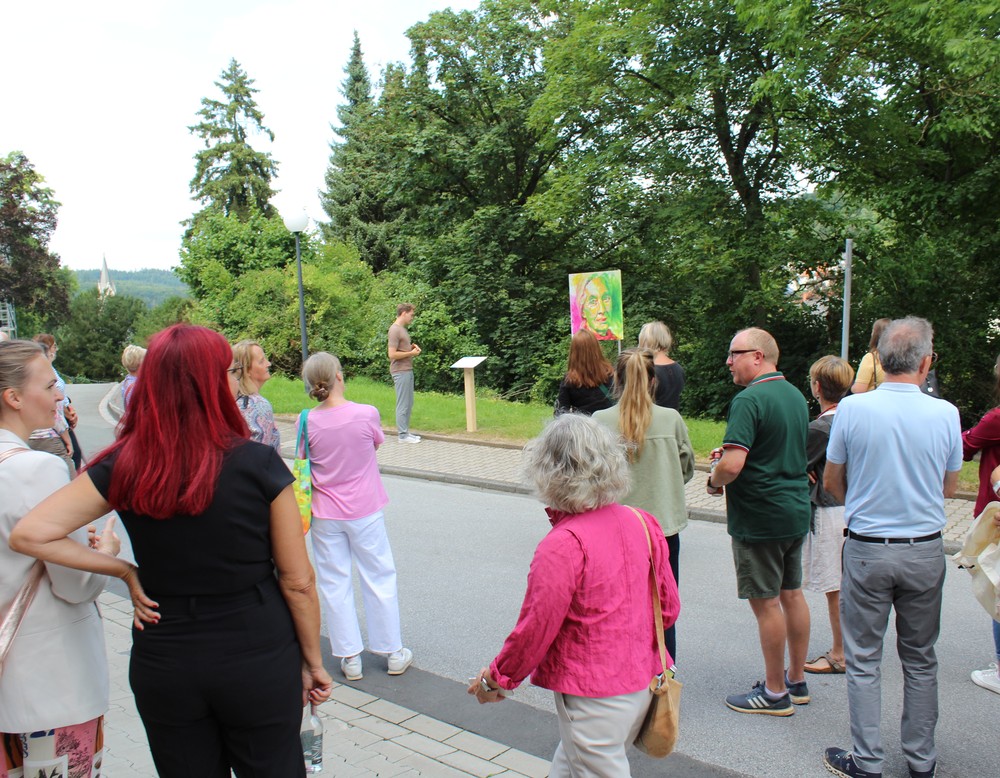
(595, 303)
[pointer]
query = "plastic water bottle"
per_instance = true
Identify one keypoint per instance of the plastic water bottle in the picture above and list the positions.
(311, 734)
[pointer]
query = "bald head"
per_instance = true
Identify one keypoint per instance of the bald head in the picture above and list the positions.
(762, 341)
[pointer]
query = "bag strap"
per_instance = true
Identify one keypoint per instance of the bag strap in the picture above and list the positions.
(657, 608)
(11, 452)
(302, 437)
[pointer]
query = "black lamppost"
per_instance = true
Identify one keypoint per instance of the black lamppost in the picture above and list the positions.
(297, 223)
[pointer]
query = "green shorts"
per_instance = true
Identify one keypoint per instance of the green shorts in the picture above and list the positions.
(764, 569)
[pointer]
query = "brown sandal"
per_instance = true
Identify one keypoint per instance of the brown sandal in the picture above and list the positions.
(830, 666)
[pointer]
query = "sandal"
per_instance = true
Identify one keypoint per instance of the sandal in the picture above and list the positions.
(829, 665)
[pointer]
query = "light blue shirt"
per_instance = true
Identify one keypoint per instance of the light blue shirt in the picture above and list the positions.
(897, 444)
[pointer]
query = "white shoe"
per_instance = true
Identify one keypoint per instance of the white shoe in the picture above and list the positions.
(350, 666)
(399, 661)
(409, 438)
(988, 678)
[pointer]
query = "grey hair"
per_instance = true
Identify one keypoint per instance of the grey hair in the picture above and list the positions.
(655, 335)
(904, 344)
(576, 465)
(319, 374)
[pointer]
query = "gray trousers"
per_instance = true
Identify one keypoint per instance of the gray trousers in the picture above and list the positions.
(404, 400)
(595, 732)
(909, 578)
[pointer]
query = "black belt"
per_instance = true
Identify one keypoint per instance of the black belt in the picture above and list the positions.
(871, 539)
(216, 604)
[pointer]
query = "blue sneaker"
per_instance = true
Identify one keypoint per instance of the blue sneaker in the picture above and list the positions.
(757, 701)
(841, 762)
(799, 692)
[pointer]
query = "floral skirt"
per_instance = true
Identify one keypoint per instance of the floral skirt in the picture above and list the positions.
(67, 752)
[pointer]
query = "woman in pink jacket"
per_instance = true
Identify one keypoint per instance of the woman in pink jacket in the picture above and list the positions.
(586, 625)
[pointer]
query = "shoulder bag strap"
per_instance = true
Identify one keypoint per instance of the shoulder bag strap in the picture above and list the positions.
(12, 619)
(302, 437)
(657, 608)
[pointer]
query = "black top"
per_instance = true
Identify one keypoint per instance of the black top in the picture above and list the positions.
(583, 399)
(226, 549)
(669, 385)
(816, 441)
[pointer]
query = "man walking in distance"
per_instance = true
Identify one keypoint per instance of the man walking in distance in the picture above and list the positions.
(763, 464)
(894, 455)
(401, 354)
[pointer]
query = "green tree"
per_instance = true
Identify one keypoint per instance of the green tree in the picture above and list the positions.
(93, 337)
(30, 275)
(907, 104)
(172, 310)
(685, 174)
(230, 175)
(358, 198)
(464, 164)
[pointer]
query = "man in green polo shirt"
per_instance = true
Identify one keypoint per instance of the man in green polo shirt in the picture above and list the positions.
(763, 465)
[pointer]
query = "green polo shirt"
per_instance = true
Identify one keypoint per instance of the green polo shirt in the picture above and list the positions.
(769, 500)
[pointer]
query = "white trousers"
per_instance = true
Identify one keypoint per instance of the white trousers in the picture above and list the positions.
(335, 544)
(595, 732)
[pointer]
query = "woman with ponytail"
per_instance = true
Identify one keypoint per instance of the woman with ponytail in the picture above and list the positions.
(348, 523)
(658, 449)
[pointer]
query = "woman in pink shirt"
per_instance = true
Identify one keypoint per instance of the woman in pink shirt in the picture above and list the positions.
(348, 523)
(586, 625)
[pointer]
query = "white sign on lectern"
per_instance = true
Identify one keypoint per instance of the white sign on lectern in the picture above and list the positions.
(468, 365)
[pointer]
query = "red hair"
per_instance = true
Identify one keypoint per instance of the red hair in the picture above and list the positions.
(588, 367)
(180, 422)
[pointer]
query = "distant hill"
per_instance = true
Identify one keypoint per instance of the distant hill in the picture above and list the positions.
(150, 286)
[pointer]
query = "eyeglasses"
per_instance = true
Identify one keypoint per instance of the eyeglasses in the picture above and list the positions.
(934, 358)
(737, 351)
(236, 370)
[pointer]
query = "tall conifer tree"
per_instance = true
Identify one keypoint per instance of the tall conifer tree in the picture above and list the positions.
(230, 175)
(357, 196)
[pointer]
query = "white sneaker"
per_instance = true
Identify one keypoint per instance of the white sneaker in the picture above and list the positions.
(399, 661)
(988, 678)
(409, 438)
(350, 666)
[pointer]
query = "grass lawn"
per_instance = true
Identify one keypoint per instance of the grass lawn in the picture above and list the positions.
(498, 420)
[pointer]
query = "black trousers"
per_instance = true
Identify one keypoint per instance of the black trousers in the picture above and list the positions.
(674, 546)
(218, 685)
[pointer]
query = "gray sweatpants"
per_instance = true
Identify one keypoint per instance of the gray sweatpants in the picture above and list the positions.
(909, 578)
(404, 400)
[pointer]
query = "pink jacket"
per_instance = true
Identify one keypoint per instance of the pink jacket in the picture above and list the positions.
(586, 624)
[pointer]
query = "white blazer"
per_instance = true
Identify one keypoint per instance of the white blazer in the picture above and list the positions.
(56, 673)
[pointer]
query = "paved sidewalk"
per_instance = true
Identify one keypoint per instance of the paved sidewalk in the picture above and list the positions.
(362, 734)
(492, 466)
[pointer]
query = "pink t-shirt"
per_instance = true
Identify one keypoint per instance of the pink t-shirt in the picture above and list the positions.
(346, 481)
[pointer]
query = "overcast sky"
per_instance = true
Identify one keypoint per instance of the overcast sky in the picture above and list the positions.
(99, 96)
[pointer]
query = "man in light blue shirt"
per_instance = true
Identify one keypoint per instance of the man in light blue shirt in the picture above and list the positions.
(894, 455)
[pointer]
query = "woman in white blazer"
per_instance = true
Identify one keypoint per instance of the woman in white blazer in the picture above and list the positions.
(54, 682)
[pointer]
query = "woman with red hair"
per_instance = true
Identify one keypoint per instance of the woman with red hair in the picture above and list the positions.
(226, 639)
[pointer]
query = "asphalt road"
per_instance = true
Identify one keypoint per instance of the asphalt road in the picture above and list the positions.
(462, 555)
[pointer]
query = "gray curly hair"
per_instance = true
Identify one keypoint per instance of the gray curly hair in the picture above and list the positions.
(576, 465)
